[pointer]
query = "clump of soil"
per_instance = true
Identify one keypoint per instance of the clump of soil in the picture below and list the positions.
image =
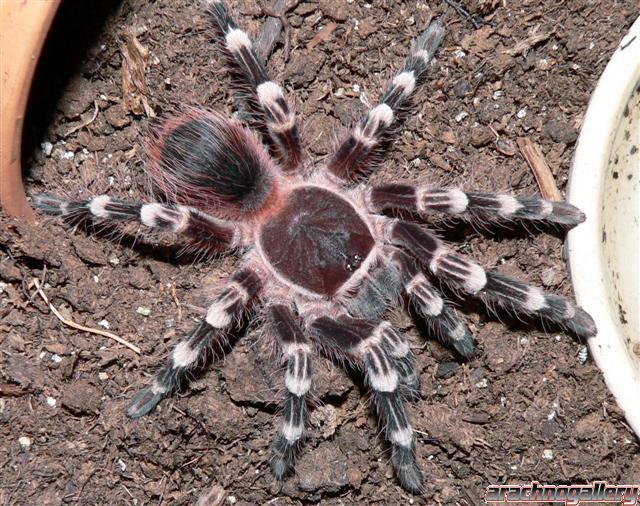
(524, 409)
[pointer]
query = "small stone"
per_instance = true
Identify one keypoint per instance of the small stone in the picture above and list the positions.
(461, 115)
(114, 260)
(103, 376)
(82, 398)
(483, 383)
(506, 147)
(522, 113)
(448, 136)
(315, 473)
(587, 426)
(144, 311)
(47, 148)
(447, 369)
(104, 324)
(367, 27)
(481, 136)
(51, 402)
(25, 442)
(547, 454)
(560, 131)
(335, 10)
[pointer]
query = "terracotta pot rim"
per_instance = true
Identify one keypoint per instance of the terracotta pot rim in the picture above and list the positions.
(23, 30)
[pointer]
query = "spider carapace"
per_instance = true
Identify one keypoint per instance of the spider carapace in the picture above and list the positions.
(316, 241)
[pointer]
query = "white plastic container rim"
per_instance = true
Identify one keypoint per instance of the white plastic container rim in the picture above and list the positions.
(585, 243)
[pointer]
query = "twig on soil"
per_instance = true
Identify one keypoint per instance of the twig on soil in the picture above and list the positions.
(85, 123)
(278, 11)
(536, 160)
(465, 13)
(176, 301)
(285, 25)
(322, 36)
(71, 323)
(534, 39)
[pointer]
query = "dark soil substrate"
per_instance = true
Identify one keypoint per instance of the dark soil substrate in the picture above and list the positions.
(525, 409)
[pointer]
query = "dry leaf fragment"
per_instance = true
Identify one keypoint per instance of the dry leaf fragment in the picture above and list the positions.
(532, 40)
(322, 36)
(479, 41)
(134, 84)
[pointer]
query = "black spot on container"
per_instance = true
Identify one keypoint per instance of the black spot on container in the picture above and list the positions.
(629, 177)
(634, 149)
(604, 235)
(622, 314)
(615, 174)
(626, 111)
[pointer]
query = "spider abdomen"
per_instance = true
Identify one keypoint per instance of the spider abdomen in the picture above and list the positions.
(316, 241)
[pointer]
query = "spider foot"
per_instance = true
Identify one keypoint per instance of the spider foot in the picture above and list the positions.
(281, 461)
(465, 346)
(407, 470)
(143, 403)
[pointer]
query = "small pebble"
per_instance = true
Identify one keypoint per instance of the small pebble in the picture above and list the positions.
(25, 442)
(47, 148)
(103, 376)
(232, 499)
(583, 354)
(56, 358)
(483, 383)
(114, 261)
(522, 113)
(447, 369)
(144, 311)
(461, 115)
(51, 402)
(547, 454)
(104, 324)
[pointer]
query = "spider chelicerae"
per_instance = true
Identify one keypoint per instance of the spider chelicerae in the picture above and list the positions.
(324, 254)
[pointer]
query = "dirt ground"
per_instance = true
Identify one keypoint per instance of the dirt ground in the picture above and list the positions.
(525, 409)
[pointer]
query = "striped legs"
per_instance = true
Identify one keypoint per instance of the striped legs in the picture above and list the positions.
(493, 288)
(296, 351)
(204, 231)
(384, 356)
(357, 155)
(209, 336)
(441, 318)
(479, 207)
(266, 98)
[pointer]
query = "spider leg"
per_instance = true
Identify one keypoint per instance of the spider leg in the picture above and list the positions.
(491, 287)
(471, 206)
(296, 352)
(266, 98)
(209, 336)
(442, 319)
(204, 231)
(374, 347)
(357, 155)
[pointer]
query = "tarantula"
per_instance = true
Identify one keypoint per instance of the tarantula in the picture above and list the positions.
(324, 254)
